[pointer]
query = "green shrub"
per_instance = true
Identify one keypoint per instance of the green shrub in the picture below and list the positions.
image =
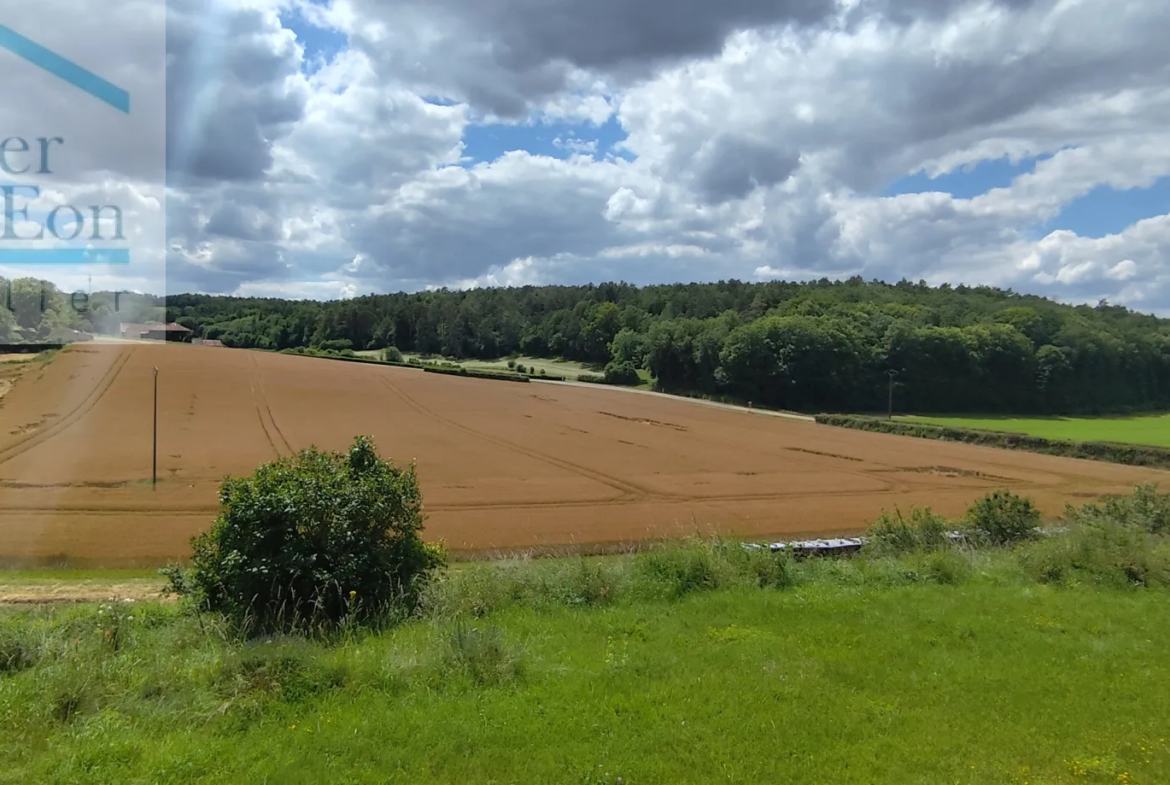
(335, 345)
(1144, 509)
(511, 363)
(312, 541)
(1003, 518)
(520, 368)
(392, 354)
(892, 533)
(592, 378)
(621, 373)
(1100, 552)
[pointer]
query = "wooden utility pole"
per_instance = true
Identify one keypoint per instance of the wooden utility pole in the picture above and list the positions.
(890, 405)
(154, 466)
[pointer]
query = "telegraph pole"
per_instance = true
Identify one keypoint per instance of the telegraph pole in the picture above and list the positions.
(890, 405)
(154, 466)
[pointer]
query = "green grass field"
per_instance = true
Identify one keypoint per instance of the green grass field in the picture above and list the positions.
(569, 369)
(1152, 429)
(952, 668)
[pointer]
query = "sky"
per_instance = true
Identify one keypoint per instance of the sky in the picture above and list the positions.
(333, 148)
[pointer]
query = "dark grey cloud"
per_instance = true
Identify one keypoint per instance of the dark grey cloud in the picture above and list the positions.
(232, 265)
(730, 167)
(500, 56)
(228, 98)
(464, 228)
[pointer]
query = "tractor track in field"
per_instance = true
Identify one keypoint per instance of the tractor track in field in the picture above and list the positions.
(263, 410)
(631, 492)
(513, 467)
(62, 424)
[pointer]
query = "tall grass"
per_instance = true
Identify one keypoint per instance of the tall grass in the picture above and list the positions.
(657, 664)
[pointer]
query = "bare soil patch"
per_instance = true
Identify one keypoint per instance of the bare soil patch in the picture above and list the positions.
(580, 467)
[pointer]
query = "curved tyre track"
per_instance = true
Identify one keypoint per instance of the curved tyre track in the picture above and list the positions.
(263, 408)
(631, 491)
(21, 446)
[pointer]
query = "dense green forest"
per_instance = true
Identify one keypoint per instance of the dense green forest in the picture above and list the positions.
(817, 346)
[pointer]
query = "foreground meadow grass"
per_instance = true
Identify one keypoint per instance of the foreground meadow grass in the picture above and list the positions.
(1151, 429)
(951, 667)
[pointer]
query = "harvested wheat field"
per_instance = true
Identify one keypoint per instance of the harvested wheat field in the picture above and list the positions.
(503, 466)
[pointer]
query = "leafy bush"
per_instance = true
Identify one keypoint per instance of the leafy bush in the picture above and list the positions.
(511, 363)
(1125, 541)
(891, 533)
(1003, 518)
(1144, 509)
(392, 354)
(1101, 552)
(335, 345)
(621, 373)
(592, 378)
(313, 541)
(520, 368)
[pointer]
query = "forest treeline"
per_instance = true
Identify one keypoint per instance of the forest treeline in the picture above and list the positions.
(817, 346)
(822, 346)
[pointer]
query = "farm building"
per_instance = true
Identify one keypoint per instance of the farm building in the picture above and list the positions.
(168, 332)
(155, 331)
(136, 331)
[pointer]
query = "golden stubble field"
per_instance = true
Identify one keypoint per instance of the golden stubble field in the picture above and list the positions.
(502, 466)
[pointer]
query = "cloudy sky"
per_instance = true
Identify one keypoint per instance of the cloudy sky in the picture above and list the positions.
(326, 149)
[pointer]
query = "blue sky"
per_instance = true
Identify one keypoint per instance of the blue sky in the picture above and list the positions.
(557, 140)
(483, 142)
(320, 44)
(697, 101)
(1101, 212)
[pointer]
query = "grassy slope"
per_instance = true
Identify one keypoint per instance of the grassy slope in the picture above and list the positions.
(991, 681)
(1152, 429)
(567, 368)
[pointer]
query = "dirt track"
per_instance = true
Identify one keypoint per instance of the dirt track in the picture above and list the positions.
(502, 465)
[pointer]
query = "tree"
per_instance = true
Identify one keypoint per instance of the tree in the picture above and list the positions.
(7, 325)
(311, 541)
(621, 373)
(628, 347)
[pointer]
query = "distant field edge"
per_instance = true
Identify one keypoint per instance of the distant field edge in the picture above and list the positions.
(1109, 452)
